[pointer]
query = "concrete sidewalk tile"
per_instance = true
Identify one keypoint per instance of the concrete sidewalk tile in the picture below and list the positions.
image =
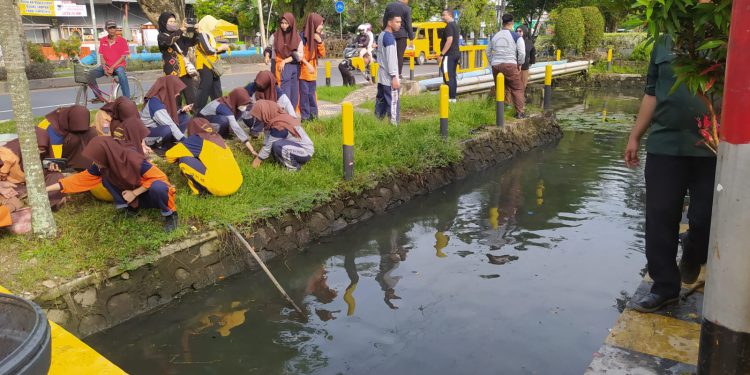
(610, 360)
(656, 335)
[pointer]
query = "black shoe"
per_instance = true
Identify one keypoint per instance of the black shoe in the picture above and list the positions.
(521, 115)
(651, 302)
(171, 222)
(688, 271)
(128, 212)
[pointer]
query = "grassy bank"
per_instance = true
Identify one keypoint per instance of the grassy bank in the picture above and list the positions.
(92, 236)
(334, 94)
(633, 67)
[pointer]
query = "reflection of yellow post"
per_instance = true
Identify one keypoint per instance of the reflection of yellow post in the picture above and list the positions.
(494, 215)
(557, 55)
(349, 299)
(441, 241)
(540, 193)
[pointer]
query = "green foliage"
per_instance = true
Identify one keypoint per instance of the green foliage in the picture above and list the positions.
(642, 52)
(40, 70)
(621, 41)
(569, 29)
(153, 49)
(69, 47)
(531, 10)
(334, 94)
(699, 34)
(593, 23)
(600, 67)
(35, 52)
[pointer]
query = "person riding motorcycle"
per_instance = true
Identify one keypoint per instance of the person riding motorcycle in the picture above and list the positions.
(365, 40)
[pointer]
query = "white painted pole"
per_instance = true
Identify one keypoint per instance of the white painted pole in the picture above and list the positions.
(264, 41)
(94, 33)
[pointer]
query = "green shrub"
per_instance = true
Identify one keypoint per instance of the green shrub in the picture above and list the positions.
(335, 47)
(622, 41)
(154, 49)
(569, 30)
(40, 70)
(642, 52)
(35, 52)
(593, 23)
(70, 47)
(140, 49)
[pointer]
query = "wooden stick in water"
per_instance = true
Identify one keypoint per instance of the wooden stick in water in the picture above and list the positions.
(268, 272)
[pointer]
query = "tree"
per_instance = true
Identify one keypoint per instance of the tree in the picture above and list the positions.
(472, 14)
(530, 11)
(43, 223)
(153, 8)
(569, 29)
(593, 23)
(699, 31)
(69, 47)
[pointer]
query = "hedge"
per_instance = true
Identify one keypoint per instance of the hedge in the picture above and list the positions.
(569, 30)
(593, 23)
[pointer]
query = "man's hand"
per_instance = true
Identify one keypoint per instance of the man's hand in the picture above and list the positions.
(395, 83)
(128, 195)
(256, 162)
(187, 108)
(281, 66)
(631, 153)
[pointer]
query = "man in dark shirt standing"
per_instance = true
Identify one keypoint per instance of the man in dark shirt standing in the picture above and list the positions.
(449, 53)
(400, 9)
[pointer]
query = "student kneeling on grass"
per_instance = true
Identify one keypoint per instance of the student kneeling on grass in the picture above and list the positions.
(285, 138)
(133, 182)
(165, 122)
(223, 113)
(264, 88)
(206, 161)
(64, 133)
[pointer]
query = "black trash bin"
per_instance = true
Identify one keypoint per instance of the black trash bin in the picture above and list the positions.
(24, 337)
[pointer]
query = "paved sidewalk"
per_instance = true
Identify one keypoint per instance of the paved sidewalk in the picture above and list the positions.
(665, 342)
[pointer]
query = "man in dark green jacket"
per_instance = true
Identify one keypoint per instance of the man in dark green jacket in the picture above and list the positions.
(675, 165)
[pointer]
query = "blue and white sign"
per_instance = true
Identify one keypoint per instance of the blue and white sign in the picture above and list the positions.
(339, 7)
(455, 14)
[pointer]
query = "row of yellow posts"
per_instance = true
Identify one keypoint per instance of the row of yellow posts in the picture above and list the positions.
(347, 115)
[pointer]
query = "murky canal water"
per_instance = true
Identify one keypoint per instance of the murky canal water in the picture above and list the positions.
(521, 269)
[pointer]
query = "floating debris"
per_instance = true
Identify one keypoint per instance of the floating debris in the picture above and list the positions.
(501, 259)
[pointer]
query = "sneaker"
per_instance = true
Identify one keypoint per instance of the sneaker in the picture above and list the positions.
(451, 100)
(171, 222)
(688, 271)
(651, 302)
(521, 115)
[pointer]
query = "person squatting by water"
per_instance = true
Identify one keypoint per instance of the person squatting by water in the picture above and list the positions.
(133, 182)
(63, 133)
(313, 49)
(264, 88)
(223, 113)
(284, 137)
(387, 100)
(161, 115)
(206, 161)
(675, 165)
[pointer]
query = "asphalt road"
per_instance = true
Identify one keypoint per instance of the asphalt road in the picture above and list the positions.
(44, 101)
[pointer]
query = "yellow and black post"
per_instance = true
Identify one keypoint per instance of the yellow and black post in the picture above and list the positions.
(557, 55)
(548, 88)
(347, 132)
(500, 100)
(328, 73)
(444, 111)
(609, 59)
(374, 67)
(411, 67)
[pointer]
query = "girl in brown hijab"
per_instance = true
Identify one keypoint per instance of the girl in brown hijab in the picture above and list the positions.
(288, 47)
(224, 112)
(11, 171)
(64, 133)
(161, 115)
(133, 182)
(314, 49)
(284, 138)
(264, 88)
(126, 125)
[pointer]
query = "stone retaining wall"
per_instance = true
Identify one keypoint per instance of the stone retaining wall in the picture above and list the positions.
(621, 81)
(99, 301)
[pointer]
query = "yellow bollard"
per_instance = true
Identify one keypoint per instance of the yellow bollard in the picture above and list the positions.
(374, 67)
(328, 73)
(347, 135)
(548, 87)
(444, 110)
(557, 55)
(609, 59)
(411, 67)
(500, 100)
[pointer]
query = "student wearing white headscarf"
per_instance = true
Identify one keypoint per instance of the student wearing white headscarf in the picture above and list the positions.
(206, 55)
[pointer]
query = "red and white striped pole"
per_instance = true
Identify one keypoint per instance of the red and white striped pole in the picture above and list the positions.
(725, 332)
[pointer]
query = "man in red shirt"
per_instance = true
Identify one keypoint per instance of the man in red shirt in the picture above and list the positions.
(113, 50)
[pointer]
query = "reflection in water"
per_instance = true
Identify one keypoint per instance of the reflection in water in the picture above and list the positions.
(421, 286)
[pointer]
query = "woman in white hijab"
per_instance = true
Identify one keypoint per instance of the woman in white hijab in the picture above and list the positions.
(206, 55)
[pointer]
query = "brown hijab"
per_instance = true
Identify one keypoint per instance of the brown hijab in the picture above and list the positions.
(265, 86)
(313, 21)
(286, 42)
(272, 116)
(202, 128)
(236, 98)
(73, 119)
(166, 89)
(120, 165)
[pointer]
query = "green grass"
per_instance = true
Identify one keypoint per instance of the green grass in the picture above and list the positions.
(93, 237)
(601, 68)
(334, 94)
